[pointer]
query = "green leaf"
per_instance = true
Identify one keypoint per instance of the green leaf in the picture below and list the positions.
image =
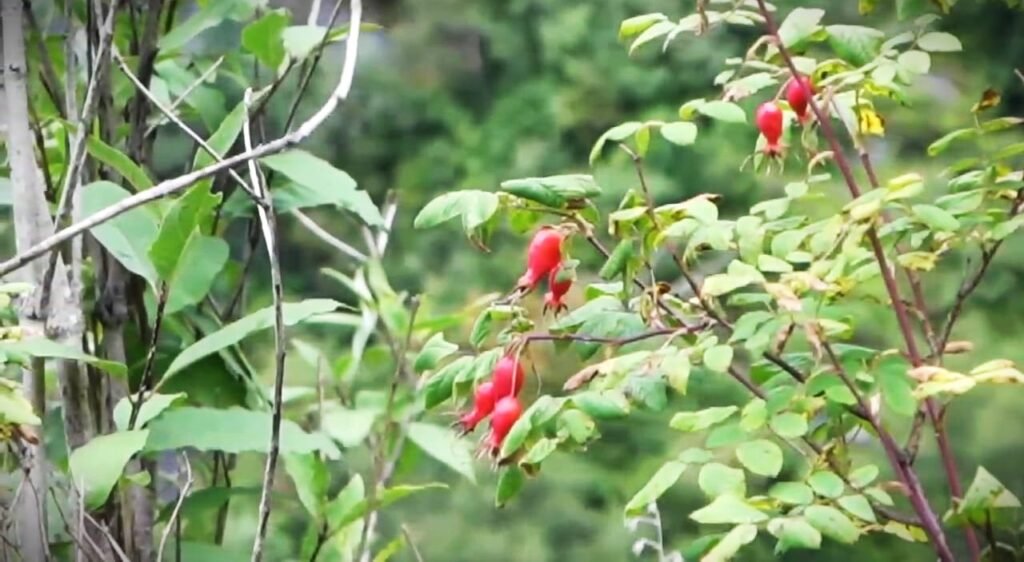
(220, 141)
(186, 259)
(603, 404)
(315, 173)
(916, 62)
(650, 34)
(682, 133)
(788, 425)
(794, 493)
(618, 261)
(129, 235)
(232, 430)
(832, 523)
(936, 218)
(760, 457)
(442, 444)
(439, 386)
(718, 358)
(897, 391)
(695, 455)
(433, 352)
(701, 420)
(855, 44)
(754, 415)
(731, 543)
(826, 483)
(723, 111)
(728, 508)
(794, 532)
(985, 493)
(858, 505)
(631, 27)
(474, 206)
(939, 42)
(210, 15)
(97, 465)
(509, 483)
(662, 480)
(152, 407)
(716, 479)
(347, 426)
(263, 39)
(863, 476)
(539, 451)
(940, 145)
(384, 499)
(119, 162)
(300, 40)
(206, 257)
(294, 313)
(49, 349)
(14, 407)
(772, 264)
(799, 25)
(311, 479)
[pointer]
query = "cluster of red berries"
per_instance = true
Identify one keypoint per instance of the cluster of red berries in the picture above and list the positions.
(769, 115)
(497, 398)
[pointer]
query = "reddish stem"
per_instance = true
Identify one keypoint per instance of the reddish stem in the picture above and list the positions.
(928, 519)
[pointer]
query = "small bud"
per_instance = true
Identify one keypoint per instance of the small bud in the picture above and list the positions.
(961, 346)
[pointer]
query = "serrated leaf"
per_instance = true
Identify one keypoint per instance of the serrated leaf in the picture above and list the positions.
(788, 425)
(723, 111)
(716, 479)
(433, 352)
(728, 508)
(663, 479)
(854, 43)
(445, 446)
(760, 457)
(832, 523)
(701, 420)
(682, 133)
(718, 358)
(800, 24)
(826, 483)
(794, 493)
(858, 506)
(794, 532)
(939, 42)
(474, 206)
(936, 218)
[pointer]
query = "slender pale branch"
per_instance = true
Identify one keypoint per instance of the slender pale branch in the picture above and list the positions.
(330, 239)
(268, 223)
(182, 494)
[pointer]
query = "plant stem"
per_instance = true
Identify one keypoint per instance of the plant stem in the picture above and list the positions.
(931, 524)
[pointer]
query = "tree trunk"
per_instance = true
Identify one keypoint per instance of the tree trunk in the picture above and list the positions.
(63, 318)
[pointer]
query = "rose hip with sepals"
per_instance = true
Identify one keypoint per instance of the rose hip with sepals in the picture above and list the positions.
(769, 121)
(797, 96)
(559, 282)
(508, 377)
(506, 413)
(543, 255)
(483, 405)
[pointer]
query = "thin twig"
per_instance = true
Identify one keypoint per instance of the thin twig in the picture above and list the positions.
(412, 545)
(184, 94)
(311, 66)
(331, 240)
(182, 494)
(541, 336)
(268, 222)
(146, 381)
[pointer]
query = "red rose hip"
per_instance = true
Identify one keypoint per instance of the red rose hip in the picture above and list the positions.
(769, 121)
(543, 255)
(508, 377)
(797, 96)
(483, 405)
(506, 413)
(559, 283)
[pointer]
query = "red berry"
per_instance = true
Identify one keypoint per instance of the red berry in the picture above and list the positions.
(543, 255)
(797, 97)
(769, 122)
(506, 413)
(508, 377)
(483, 405)
(559, 283)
